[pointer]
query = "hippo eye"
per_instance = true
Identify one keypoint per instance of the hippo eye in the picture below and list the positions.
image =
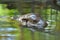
(34, 21)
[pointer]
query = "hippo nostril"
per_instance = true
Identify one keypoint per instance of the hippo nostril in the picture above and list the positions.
(25, 20)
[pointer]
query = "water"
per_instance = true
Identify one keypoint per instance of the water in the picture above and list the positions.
(7, 32)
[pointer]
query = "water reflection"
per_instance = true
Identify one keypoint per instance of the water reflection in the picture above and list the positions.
(7, 29)
(6, 32)
(7, 38)
(4, 35)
